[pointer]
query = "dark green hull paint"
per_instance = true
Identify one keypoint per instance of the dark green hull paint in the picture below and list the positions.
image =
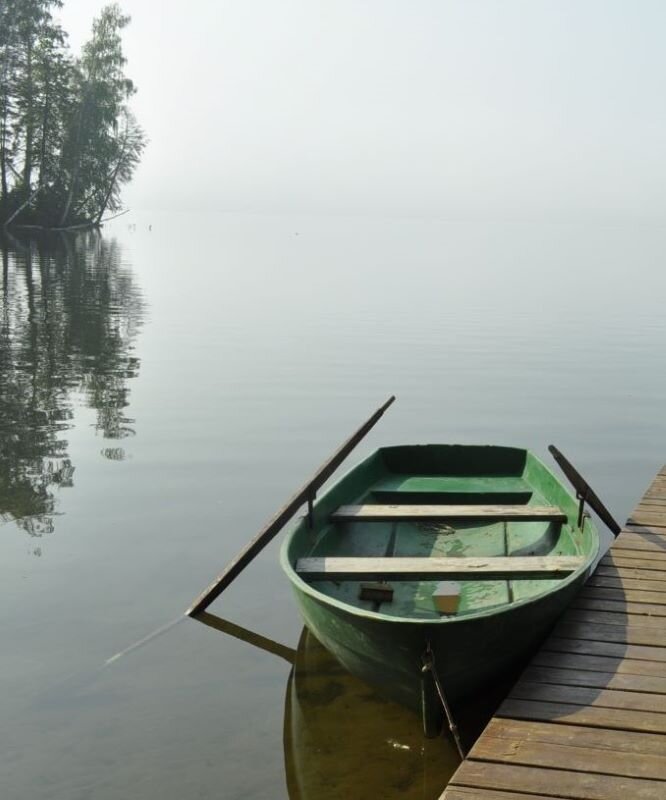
(497, 626)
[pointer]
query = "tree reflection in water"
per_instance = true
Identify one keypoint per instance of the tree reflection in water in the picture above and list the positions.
(69, 315)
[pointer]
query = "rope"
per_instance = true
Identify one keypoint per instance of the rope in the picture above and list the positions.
(428, 659)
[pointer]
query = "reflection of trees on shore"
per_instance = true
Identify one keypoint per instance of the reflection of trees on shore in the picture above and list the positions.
(69, 315)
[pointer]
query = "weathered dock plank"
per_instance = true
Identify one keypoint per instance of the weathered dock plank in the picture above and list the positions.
(591, 716)
(462, 793)
(565, 783)
(587, 718)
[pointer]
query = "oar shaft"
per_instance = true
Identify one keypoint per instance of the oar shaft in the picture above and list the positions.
(278, 521)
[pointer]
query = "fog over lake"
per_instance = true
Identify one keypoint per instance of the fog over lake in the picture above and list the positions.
(458, 203)
(485, 110)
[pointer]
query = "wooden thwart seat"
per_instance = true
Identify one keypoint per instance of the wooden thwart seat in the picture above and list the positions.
(377, 513)
(427, 568)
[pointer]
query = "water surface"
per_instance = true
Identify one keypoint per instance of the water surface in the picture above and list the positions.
(163, 390)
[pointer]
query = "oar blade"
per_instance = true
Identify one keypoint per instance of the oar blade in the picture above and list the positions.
(584, 490)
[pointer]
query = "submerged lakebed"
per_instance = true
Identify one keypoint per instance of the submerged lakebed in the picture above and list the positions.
(164, 391)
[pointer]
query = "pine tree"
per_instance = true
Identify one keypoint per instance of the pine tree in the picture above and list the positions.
(36, 31)
(68, 140)
(54, 99)
(102, 95)
(9, 43)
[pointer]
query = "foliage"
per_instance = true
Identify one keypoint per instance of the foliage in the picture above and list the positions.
(68, 140)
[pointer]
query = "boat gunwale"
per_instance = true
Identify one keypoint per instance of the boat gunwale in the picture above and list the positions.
(375, 616)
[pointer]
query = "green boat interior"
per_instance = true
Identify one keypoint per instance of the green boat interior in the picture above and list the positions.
(487, 526)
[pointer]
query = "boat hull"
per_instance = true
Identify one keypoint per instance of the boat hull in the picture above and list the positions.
(499, 623)
(469, 654)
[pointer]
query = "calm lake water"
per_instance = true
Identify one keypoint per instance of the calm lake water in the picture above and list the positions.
(164, 390)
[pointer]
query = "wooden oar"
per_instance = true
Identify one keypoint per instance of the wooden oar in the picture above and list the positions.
(304, 495)
(584, 492)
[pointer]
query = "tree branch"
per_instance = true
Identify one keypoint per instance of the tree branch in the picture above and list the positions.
(22, 206)
(108, 219)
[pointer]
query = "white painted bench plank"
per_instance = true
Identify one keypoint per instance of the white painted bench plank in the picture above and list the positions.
(416, 568)
(375, 513)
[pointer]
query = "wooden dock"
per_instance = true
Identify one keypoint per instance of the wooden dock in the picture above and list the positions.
(587, 718)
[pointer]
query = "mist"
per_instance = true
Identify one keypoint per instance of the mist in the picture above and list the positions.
(522, 109)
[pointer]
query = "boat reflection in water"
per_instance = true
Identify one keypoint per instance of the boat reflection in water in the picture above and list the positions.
(343, 739)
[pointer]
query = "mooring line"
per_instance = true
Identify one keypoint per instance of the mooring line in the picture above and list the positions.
(428, 659)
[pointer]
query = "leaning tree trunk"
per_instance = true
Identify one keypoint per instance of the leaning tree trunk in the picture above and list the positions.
(114, 178)
(29, 125)
(25, 203)
(3, 170)
(4, 94)
(74, 179)
(105, 203)
(4, 187)
(46, 112)
(70, 195)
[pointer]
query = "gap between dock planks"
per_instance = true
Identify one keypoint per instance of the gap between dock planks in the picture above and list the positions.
(587, 718)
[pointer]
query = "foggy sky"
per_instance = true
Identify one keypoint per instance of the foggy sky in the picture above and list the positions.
(466, 108)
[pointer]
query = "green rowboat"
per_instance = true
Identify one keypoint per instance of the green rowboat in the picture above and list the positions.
(492, 523)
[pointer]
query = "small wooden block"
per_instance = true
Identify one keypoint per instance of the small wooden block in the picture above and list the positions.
(447, 597)
(381, 592)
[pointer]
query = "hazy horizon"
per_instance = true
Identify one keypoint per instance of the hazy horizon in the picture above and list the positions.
(511, 110)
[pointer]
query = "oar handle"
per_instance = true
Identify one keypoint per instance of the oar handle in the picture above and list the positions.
(306, 494)
(584, 491)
